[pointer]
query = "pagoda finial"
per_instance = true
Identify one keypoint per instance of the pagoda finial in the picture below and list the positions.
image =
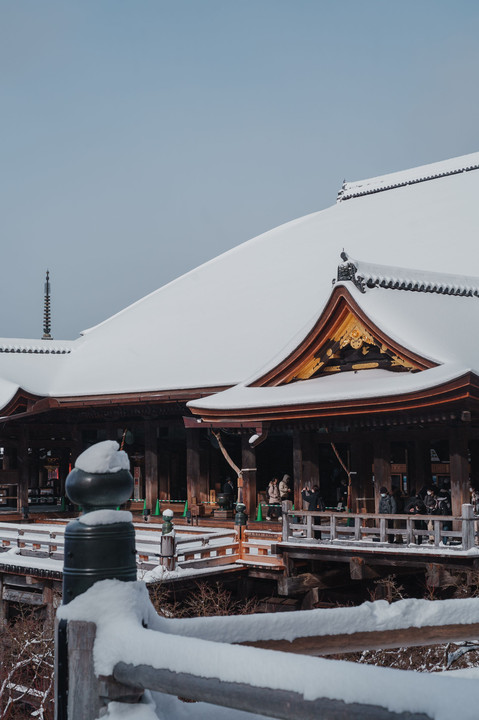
(46, 310)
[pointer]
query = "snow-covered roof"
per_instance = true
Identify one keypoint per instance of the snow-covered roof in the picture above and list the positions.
(465, 163)
(227, 319)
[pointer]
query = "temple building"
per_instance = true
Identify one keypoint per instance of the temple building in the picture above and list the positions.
(338, 346)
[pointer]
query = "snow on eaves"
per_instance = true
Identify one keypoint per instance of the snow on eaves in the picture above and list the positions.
(41, 347)
(370, 275)
(424, 173)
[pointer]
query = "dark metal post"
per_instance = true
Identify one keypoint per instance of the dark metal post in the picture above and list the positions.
(96, 548)
(97, 551)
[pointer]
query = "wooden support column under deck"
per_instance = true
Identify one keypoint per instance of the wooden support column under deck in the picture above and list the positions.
(459, 468)
(151, 464)
(381, 466)
(248, 466)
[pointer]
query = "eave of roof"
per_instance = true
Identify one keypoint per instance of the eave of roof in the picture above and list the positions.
(267, 404)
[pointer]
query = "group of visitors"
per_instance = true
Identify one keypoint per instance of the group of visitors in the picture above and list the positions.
(430, 500)
(278, 490)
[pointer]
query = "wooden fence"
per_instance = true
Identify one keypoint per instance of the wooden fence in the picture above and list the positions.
(88, 694)
(361, 529)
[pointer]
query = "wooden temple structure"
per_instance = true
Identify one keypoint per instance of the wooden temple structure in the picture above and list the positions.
(372, 380)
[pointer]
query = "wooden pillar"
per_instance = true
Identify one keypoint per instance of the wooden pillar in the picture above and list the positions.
(248, 466)
(297, 468)
(419, 466)
(474, 453)
(361, 462)
(3, 607)
(77, 445)
(63, 470)
(194, 487)
(7, 458)
(23, 470)
(381, 466)
(459, 468)
(151, 464)
(310, 459)
(164, 472)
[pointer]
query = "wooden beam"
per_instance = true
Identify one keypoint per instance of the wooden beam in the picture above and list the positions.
(281, 704)
(360, 570)
(304, 582)
(376, 640)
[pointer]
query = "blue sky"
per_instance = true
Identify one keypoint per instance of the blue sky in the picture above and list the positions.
(142, 138)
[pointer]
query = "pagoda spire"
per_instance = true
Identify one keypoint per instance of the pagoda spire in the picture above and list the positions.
(46, 310)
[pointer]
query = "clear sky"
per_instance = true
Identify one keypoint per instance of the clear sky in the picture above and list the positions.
(141, 138)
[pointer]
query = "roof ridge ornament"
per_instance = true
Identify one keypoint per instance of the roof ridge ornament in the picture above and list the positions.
(366, 276)
(347, 272)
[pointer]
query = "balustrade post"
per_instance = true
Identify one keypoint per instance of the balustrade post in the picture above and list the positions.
(168, 542)
(409, 531)
(382, 529)
(286, 507)
(332, 525)
(309, 526)
(468, 532)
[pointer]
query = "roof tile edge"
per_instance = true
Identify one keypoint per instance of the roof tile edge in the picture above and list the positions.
(404, 178)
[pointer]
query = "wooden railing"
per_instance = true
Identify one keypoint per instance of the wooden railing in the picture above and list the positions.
(361, 529)
(168, 645)
(189, 551)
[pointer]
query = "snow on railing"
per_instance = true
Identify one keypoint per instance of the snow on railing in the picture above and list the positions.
(201, 659)
(364, 529)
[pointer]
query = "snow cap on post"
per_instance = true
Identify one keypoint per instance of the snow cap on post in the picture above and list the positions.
(101, 478)
(104, 457)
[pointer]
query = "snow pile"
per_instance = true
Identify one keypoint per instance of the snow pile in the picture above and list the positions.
(368, 617)
(106, 517)
(126, 711)
(104, 457)
(118, 609)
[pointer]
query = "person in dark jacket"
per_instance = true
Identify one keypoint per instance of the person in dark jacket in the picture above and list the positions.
(387, 506)
(444, 507)
(312, 498)
(430, 501)
(229, 489)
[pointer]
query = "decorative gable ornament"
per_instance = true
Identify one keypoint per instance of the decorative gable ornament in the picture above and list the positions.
(343, 339)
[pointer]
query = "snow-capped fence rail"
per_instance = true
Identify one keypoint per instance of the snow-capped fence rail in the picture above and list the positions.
(360, 529)
(211, 659)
